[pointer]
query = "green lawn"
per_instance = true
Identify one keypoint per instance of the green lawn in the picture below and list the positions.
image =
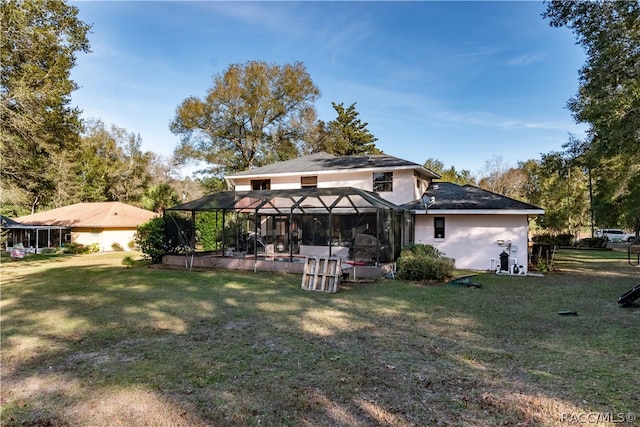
(88, 342)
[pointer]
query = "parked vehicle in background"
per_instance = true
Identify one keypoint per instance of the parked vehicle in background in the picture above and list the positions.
(615, 235)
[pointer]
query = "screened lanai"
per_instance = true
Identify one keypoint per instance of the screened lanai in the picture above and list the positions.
(348, 223)
(32, 238)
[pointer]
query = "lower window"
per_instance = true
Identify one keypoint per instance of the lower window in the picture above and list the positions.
(438, 226)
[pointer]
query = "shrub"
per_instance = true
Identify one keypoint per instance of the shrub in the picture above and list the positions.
(593, 242)
(561, 239)
(421, 250)
(424, 262)
(150, 239)
(209, 226)
(209, 230)
(160, 236)
(117, 247)
(79, 248)
(128, 261)
(73, 248)
(565, 239)
(543, 267)
(93, 248)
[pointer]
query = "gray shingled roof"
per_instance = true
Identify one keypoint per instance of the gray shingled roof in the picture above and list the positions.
(323, 161)
(8, 222)
(449, 196)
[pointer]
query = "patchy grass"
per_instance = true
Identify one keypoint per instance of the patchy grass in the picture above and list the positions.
(86, 341)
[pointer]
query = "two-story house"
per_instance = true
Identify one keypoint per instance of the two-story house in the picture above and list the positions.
(365, 209)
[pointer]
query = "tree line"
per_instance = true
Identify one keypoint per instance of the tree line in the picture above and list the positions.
(550, 182)
(255, 113)
(258, 113)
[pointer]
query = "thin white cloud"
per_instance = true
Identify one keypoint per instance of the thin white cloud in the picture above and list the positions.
(491, 120)
(475, 118)
(343, 37)
(477, 52)
(337, 30)
(525, 59)
(387, 100)
(253, 14)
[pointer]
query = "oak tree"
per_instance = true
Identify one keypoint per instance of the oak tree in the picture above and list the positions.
(248, 114)
(111, 165)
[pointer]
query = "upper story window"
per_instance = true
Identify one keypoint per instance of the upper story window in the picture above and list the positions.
(260, 184)
(309, 181)
(382, 181)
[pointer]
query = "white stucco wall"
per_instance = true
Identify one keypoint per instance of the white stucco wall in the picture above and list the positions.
(472, 239)
(404, 183)
(123, 237)
(105, 238)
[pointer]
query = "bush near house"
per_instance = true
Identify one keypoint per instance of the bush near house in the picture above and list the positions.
(150, 239)
(561, 239)
(78, 248)
(424, 262)
(160, 236)
(208, 226)
(593, 242)
(209, 230)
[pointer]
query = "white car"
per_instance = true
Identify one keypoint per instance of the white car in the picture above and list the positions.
(615, 235)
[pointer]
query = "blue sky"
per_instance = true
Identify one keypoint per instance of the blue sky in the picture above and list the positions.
(461, 82)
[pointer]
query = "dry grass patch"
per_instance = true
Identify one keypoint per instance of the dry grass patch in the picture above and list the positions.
(122, 407)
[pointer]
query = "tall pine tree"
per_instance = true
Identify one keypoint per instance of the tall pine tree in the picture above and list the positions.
(348, 135)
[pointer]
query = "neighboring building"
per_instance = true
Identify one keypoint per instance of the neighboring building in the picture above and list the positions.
(402, 204)
(30, 237)
(104, 223)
